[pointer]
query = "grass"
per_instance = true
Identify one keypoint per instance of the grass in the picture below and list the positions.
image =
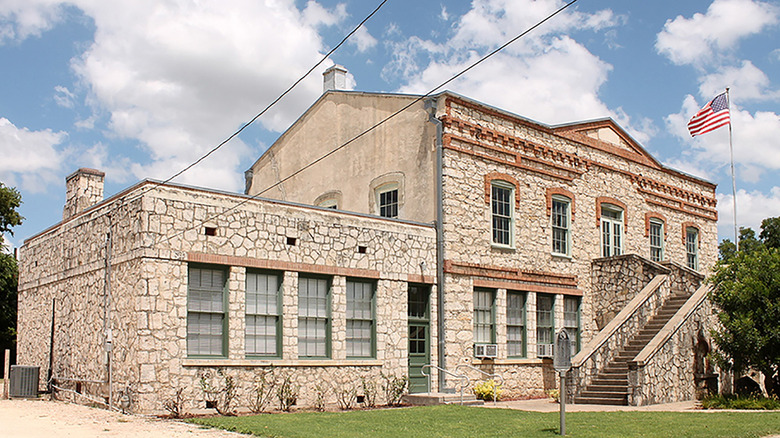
(460, 421)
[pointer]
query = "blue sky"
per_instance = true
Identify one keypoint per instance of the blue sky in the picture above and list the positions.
(141, 88)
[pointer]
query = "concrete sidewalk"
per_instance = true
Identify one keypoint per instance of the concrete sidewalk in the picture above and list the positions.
(547, 405)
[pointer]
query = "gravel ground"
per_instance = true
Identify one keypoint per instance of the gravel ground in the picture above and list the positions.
(47, 419)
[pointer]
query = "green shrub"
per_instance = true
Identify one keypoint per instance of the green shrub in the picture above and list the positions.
(487, 389)
(754, 402)
(555, 395)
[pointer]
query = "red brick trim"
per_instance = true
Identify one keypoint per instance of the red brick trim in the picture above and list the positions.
(518, 277)
(560, 191)
(197, 257)
(654, 215)
(685, 226)
(609, 200)
(525, 287)
(498, 176)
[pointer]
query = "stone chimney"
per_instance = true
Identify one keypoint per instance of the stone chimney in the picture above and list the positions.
(84, 188)
(334, 78)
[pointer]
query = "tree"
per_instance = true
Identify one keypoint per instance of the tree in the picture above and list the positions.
(747, 293)
(10, 200)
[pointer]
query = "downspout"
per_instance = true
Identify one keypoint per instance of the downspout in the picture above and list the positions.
(431, 105)
(107, 316)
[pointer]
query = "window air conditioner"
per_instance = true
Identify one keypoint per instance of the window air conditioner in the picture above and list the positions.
(486, 350)
(544, 350)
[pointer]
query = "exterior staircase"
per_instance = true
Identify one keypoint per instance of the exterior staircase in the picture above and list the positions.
(610, 386)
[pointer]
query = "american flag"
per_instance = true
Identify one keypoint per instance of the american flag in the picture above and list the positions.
(711, 117)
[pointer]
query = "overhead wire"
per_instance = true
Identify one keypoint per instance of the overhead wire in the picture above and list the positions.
(378, 124)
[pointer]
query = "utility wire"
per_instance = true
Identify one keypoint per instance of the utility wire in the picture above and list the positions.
(378, 124)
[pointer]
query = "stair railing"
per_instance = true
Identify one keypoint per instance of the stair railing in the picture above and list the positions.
(494, 376)
(464, 380)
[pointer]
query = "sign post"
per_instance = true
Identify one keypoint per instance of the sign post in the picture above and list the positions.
(562, 364)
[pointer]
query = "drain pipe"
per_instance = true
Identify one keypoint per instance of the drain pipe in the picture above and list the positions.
(431, 105)
(107, 317)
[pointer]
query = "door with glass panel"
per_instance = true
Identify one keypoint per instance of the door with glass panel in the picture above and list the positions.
(419, 336)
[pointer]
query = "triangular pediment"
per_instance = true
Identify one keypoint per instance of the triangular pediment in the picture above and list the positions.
(607, 135)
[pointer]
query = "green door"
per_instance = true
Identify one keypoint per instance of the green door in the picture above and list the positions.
(419, 337)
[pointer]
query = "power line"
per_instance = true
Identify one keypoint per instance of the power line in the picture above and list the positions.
(380, 123)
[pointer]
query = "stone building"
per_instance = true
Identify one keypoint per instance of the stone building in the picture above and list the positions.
(453, 234)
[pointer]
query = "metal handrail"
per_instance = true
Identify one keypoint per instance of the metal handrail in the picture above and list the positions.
(494, 376)
(461, 377)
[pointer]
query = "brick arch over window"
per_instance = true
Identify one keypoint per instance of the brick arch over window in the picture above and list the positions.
(560, 191)
(607, 200)
(685, 226)
(498, 176)
(660, 217)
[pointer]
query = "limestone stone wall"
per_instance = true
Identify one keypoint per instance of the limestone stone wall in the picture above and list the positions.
(155, 236)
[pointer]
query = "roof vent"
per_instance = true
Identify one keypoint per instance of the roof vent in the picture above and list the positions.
(334, 78)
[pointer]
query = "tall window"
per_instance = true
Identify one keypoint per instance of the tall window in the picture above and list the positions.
(515, 324)
(692, 247)
(611, 231)
(263, 314)
(388, 202)
(571, 321)
(313, 317)
(360, 319)
(502, 197)
(656, 234)
(484, 318)
(545, 324)
(561, 218)
(206, 316)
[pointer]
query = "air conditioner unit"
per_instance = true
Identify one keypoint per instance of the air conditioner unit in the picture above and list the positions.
(486, 350)
(545, 350)
(24, 381)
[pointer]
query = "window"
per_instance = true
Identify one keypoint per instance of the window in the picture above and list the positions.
(206, 311)
(360, 319)
(263, 314)
(561, 218)
(611, 231)
(692, 247)
(571, 321)
(329, 203)
(515, 324)
(388, 202)
(656, 233)
(545, 325)
(484, 318)
(502, 198)
(313, 317)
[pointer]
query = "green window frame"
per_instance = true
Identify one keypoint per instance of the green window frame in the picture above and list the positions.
(545, 321)
(206, 311)
(656, 234)
(692, 247)
(361, 318)
(484, 316)
(516, 324)
(561, 223)
(571, 321)
(502, 214)
(314, 317)
(263, 316)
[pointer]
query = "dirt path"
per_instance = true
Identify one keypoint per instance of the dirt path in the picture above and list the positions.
(47, 419)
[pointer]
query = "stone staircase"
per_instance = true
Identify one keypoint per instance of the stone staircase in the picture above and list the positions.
(610, 386)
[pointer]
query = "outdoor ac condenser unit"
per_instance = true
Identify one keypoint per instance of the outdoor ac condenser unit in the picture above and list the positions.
(544, 350)
(485, 350)
(24, 381)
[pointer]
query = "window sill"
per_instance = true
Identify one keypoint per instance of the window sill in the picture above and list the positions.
(221, 362)
(562, 256)
(505, 248)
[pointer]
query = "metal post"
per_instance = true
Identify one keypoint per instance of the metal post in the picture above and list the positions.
(6, 370)
(563, 402)
(733, 175)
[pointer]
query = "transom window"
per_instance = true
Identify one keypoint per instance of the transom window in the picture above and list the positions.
(571, 321)
(501, 200)
(313, 317)
(484, 318)
(263, 314)
(388, 202)
(515, 324)
(692, 247)
(561, 218)
(656, 234)
(611, 231)
(545, 324)
(360, 318)
(206, 311)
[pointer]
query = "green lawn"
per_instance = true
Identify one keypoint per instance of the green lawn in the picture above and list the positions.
(459, 421)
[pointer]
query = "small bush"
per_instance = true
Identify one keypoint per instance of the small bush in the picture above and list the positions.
(220, 391)
(555, 395)
(487, 389)
(175, 405)
(369, 392)
(287, 393)
(320, 395)
(346, 397)
(729, 401)
(262, 391)
(394, 388)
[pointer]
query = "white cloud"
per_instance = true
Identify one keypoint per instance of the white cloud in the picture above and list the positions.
(64, 97)
(699, 39)
(747, 81)
(362, 40)
(752, 208)
(30, 158)
(20, 19)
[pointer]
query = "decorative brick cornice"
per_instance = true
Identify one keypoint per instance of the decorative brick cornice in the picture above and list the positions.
(685, 226)
(609, 200)
(655, 215)
(560, 191)
(498, 176)
(516, 279)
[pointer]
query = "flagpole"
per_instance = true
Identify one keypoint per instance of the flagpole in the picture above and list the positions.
(733, 178)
